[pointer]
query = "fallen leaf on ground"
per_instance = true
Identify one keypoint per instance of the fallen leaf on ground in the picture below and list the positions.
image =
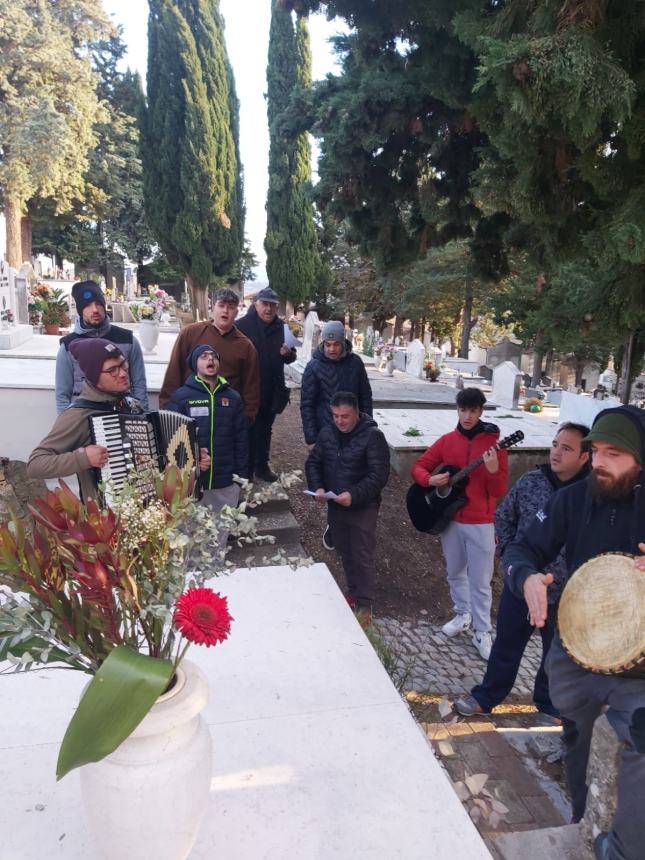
(476, 782)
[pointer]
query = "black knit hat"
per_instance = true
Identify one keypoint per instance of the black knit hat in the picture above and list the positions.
(91, 352)
(85, 292)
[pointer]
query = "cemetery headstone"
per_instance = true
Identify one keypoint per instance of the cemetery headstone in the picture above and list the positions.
(21, 298)
(485, 372)
(507, 379)
(609, 379)
(415, 359)
(311, 335)
(503, 351)
(400, 359)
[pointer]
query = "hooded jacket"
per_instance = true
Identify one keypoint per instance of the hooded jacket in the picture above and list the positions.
(62, 452)
(459, 449)
(322, 378)
(267, 338)
(238, 363)
(357, 462)
(69, 377)
(531, 493)
(221, 427)
(579, 524)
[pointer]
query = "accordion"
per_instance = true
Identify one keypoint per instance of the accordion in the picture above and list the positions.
(141, 446)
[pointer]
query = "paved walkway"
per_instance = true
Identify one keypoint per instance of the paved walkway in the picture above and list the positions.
(429, 662)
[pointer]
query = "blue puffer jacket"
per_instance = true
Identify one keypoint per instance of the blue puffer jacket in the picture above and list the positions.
(322, 379)
(221, 427)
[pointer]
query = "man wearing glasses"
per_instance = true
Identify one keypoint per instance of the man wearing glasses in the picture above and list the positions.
(68, 448)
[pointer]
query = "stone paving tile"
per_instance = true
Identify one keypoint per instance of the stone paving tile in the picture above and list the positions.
(481, 750)
(433, 663)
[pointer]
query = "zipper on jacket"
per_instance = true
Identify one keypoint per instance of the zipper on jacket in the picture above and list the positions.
(211, 394)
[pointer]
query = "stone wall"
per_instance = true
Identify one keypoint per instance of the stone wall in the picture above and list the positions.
(602, 778)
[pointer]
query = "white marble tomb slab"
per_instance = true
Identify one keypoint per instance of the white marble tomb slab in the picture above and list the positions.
(315, 754)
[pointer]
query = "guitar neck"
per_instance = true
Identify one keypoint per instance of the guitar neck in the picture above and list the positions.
(463, 473)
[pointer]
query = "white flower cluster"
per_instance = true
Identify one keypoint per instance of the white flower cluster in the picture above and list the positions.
(140, 525)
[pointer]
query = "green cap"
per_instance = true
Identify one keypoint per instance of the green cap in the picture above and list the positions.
(615, 428)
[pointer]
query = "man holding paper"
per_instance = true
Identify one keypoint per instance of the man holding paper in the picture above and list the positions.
(352, 460)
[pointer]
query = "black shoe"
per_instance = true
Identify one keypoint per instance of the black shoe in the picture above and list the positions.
(601, 846)
(264, 473)
(327, 540)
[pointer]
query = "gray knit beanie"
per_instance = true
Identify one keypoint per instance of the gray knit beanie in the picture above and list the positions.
(333, 330)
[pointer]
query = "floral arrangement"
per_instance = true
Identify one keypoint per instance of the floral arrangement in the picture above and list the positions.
(113, 592)
(387, 351)
(431, 371)
(153, 307)
(48, 305)
(6, 316)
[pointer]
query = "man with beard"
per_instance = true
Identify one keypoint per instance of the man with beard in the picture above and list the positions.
(568, 463)
(605, 513)
(93, 322)
(265, 330)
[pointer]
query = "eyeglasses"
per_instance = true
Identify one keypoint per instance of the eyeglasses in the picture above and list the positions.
(209, 355)
(117, 369)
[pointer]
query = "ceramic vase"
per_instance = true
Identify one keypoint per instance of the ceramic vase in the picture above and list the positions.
(389, 367)
(148, 334)
(148, 798)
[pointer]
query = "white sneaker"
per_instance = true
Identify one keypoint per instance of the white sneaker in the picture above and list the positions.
(457, 624)
(483, 642)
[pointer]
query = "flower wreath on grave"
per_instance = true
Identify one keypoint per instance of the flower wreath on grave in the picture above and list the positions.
(118, 592)
(153, 307)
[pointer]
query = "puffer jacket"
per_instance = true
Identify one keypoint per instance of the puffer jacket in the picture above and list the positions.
(514, 515)
(357, 462)
(483, 489)
(221, 427)
(322, 379)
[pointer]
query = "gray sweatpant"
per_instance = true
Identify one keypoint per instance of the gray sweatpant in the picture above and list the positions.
(216, 500)
(580, 695)
(469, 551)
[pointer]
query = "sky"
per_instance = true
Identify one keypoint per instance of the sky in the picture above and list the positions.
(247, 41)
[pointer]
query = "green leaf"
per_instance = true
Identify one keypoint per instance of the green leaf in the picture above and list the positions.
(116, 700)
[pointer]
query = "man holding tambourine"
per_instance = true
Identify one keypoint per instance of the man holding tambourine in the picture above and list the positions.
(595, 660)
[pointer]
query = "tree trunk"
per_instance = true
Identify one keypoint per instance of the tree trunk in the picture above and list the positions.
(624, 384)
(12, 214)
(398, 322)
(537, 367)
(198, 299)
(25, 236)
(467, 322)
(580, 367)
(413, 331)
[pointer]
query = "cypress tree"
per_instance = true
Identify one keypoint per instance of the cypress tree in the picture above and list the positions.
(192, 175)
(291, 243)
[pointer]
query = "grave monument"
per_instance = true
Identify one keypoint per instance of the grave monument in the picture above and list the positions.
(507, 379)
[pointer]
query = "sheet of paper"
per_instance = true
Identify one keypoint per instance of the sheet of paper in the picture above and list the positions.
(327, 495)
(290, 339)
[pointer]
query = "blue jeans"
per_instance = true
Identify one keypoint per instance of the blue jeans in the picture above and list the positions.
(513, 633)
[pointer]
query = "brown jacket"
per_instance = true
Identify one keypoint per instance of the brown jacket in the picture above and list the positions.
(61, 453)
(238, 363)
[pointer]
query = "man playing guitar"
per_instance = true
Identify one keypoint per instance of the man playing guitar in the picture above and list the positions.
(468, 542)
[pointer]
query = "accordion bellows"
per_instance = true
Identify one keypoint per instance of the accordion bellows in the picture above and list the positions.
(141, 446)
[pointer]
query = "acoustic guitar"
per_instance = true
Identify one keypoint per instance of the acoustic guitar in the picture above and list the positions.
(431, 508)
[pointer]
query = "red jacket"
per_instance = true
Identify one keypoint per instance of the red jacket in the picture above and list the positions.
(483, 489)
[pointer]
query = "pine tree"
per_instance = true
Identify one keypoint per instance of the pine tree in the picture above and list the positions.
(192, 174)
(48, 105)
(291, 243)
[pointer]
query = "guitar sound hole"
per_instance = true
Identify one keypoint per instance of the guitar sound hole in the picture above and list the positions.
(443, 492)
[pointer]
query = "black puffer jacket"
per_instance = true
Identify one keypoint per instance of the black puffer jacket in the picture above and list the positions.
(322, 379)
(267, 339)
(356, 462)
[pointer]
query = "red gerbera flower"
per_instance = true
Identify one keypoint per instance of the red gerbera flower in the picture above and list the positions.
(202, 616)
